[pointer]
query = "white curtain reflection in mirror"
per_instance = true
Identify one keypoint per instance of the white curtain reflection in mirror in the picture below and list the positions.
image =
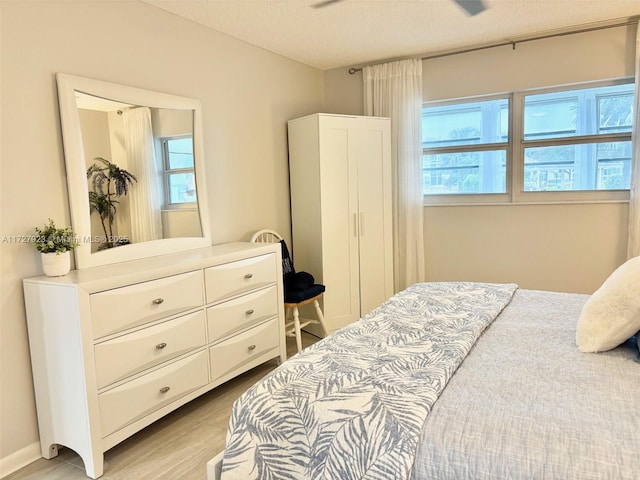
(146, 198)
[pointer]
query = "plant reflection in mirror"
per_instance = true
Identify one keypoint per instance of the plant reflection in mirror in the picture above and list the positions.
(108, 182)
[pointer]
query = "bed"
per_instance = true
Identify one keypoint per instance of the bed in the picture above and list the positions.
(455, 380)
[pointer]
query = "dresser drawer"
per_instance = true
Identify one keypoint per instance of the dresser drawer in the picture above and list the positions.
(126, 307)
(242, 312)
(236, 351)
(132, 353)
(233, 278)
(133, 400)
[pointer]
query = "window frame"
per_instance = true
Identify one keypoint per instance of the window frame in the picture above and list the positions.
(167, 172)
(515, 148)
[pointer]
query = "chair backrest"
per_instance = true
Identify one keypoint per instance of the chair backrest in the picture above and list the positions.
(271, 236)
(266, 236)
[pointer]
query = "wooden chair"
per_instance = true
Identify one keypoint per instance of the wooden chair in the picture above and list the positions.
(299, 290)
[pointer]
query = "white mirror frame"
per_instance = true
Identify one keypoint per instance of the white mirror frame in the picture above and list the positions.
(77, 170)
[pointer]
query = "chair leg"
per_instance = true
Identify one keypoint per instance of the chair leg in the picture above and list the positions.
(320, 317)
(296, 323)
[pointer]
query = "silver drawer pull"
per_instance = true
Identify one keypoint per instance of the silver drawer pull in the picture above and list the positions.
(249, 312)
(252, 347)
(158, 301)
(248, 276)
(160, 346)
(165, 389)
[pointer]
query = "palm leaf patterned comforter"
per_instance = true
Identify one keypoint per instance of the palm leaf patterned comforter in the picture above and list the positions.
(352, 405)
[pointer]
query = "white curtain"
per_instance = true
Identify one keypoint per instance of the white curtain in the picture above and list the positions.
(144, 196)
(395, 90)
(633, 248)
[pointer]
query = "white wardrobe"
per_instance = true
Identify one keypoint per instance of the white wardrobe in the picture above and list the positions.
(340, 174)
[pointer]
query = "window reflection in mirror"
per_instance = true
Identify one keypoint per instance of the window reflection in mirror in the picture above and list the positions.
(154, 145)
(179, 175)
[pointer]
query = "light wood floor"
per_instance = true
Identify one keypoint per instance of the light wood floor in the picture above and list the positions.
(176, 447)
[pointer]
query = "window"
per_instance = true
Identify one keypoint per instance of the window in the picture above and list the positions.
(465, 147)
(179, 173)
(578, 139)
(552, 145)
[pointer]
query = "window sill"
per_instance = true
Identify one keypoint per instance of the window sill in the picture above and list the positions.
(523, 203)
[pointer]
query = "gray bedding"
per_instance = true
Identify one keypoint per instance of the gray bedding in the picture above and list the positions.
(525, 404)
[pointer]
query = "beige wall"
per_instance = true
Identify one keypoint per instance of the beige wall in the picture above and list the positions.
(552, 247)
(247, 96)
(343, 92)
(562, 248)
(555, 61)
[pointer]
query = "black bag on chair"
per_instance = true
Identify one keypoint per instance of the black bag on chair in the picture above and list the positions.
(298, 286)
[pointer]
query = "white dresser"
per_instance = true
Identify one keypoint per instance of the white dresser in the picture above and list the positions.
(115, 348)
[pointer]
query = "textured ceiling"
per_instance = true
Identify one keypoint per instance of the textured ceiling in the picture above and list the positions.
(355, 32)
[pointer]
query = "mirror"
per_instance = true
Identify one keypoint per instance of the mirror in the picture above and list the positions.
(135, 171)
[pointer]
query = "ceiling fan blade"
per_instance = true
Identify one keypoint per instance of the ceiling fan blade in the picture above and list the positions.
(324, 3)
(472, 7)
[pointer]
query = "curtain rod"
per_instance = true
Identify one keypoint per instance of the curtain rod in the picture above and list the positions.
(513, 43)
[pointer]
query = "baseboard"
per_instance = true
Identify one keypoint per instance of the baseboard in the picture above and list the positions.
(19, 459)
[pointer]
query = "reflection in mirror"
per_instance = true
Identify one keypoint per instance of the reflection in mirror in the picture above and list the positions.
(154, 146)
(134, 169)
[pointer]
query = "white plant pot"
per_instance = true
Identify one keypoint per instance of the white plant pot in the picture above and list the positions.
(56, 264)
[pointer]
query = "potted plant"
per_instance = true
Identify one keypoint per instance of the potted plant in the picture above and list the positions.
(55, 245)
(108, 182)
